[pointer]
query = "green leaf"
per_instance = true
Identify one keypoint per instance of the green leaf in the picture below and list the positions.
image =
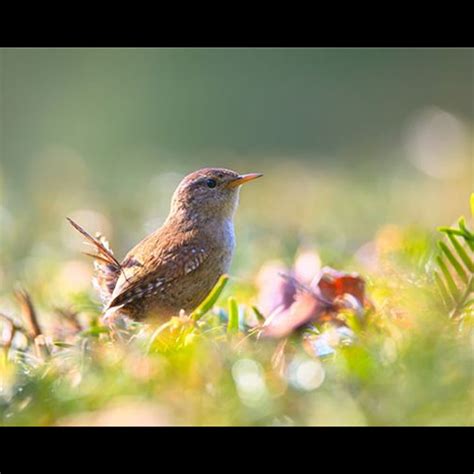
(460, 258)
(211, 298)
(233, 322)
(260, 317)
(452, 259)
(62, 344)
(472, 204)
(462, 253)
(449, 279)
(451, 231)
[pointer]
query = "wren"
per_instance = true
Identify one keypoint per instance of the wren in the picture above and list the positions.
(175, 267)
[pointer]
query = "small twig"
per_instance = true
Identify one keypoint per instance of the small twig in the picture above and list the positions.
(28, 312)
(70, 316)
(14, 328)
(302, 287)
(41, 347)
(278, 357)
(251, 332)
(7, 341)
(14, 325)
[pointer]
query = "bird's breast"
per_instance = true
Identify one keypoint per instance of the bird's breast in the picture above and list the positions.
(229, 234)
(224, 244)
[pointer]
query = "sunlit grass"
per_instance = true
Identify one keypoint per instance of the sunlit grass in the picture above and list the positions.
(401, 361)
(406, 362)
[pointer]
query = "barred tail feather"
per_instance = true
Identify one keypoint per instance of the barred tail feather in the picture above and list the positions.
(106, 266)
(106, 274)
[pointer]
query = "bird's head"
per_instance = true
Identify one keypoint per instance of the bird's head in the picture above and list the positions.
(209, 192)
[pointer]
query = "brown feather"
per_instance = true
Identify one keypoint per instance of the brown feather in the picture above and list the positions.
(159, 258)
(104, 253)
(107, 267)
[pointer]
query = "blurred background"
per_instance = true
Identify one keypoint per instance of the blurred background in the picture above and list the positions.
(364, 151)
(348, 139)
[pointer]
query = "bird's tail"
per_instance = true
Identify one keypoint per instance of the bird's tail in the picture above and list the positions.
(107, 267)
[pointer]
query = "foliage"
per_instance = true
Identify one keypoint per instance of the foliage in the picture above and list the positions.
(456, 263)
(398, 361)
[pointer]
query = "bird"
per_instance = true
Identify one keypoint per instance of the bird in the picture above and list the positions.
(175, 267)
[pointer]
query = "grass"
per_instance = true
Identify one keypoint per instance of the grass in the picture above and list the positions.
(393, 366)
(395, 359)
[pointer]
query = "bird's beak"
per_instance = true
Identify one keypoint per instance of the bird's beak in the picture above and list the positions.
(243, 178)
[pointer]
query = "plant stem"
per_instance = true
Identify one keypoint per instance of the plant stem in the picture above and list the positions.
(460, 304)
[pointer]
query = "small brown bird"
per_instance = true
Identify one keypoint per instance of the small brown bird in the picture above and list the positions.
(176, 266)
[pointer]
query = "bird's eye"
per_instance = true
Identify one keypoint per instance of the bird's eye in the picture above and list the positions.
(211, 183)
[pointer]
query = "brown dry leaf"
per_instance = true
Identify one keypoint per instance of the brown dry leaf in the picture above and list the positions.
(333, 284)
(331, 292)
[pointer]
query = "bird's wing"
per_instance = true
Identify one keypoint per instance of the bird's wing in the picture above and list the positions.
(154, 262)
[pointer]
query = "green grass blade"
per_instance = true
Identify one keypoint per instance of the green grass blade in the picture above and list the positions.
(462, 253)
(62, 344)
(233, 323)
(211, 298)
(260, 317)
(463, 226)
(156, 333)
(452, 259)
(468, 236)
(449, 279)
